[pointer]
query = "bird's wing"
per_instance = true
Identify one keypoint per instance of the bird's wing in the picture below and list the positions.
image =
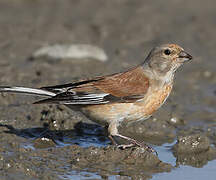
(123, 87)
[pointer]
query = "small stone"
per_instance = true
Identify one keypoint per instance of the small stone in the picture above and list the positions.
(44, 143)
(207, 74)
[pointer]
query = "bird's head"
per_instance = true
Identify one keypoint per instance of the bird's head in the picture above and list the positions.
(166, 59)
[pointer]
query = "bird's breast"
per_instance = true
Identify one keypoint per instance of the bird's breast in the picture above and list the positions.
(155, 98)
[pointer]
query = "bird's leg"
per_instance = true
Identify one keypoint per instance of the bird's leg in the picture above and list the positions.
(113, 131)
(112, 140)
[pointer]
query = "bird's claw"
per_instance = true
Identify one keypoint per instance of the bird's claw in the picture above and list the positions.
(125, 146)
(134, 144)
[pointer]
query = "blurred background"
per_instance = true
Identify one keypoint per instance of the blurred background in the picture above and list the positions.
(103, 37)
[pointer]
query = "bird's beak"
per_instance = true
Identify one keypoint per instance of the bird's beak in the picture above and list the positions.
(185, 56)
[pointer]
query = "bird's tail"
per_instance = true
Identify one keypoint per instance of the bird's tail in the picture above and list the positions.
(27, 91)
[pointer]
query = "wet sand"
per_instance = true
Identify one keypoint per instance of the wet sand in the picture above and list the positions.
(53, 142)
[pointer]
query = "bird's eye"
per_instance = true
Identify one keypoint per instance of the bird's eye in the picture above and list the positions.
(167, 52)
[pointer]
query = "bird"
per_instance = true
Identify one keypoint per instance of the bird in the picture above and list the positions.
(128, 96)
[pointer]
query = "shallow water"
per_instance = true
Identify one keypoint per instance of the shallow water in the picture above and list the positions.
(188, 172)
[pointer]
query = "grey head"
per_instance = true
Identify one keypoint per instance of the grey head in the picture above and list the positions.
(164, 60)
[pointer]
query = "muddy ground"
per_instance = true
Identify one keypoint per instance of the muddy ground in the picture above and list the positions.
(53, 142)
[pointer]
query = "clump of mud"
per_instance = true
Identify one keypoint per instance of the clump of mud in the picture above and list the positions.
(194, 150)
(196, 143)
(134, 162)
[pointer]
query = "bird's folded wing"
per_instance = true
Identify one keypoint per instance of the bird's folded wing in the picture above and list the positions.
(123, 87)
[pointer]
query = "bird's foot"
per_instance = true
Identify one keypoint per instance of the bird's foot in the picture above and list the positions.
(125, 146)
(142, 145)
(134, 143)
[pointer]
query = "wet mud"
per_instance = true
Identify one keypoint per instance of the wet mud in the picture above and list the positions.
(54, 142)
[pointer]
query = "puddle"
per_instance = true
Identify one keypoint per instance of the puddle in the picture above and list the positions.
(76, 175)
(165, 154)
(190, 173)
